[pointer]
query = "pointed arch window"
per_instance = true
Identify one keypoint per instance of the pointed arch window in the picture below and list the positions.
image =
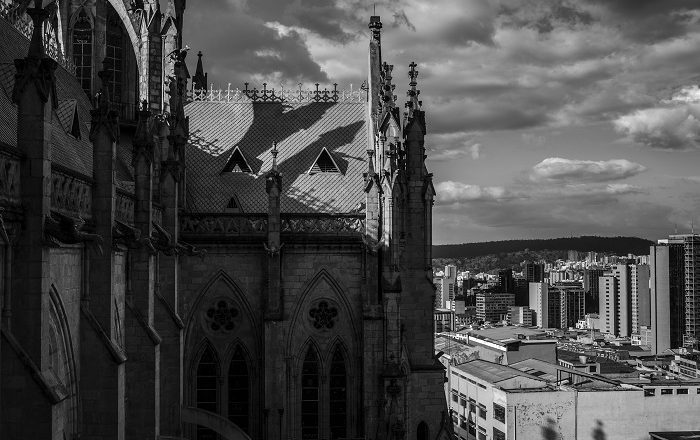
(82, 51)
(115, 54)
(310, 396)
(206, 393)
(422, 431)
(338, 396)
(239, 391)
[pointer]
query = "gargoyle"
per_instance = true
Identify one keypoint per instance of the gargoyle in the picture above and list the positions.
(371, 245)
(274, 249)
(191, 250)
(130, 237)
(61, 229)
(162, 240)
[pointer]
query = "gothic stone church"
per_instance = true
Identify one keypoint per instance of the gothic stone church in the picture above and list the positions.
(179, 262)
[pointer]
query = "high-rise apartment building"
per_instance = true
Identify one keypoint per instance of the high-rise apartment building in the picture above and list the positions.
(445, 287)
(520, 315)
(620, 290)
(493, 306)
(639, 284)
(545, 302)
(506, 283)
(691, 248)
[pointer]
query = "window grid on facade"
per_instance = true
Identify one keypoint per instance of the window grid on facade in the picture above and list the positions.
(206, 381)
(498, 434)
(310, 396)
(82, 51)
(338, 396)
(239, 391)
(115, 56)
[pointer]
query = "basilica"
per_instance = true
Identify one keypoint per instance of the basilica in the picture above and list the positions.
(181, 262)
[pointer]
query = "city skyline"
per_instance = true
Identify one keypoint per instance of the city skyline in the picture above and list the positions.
(557, 118)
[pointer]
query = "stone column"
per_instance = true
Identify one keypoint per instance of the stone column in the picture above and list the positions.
(102, 335)
(142, 341)
(34, 94)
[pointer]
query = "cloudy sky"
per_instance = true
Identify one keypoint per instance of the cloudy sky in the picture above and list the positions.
(546, 118)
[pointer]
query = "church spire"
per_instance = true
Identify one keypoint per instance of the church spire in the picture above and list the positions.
(200, 80)
(413, 103)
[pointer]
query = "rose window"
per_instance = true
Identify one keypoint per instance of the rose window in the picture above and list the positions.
(219, 317)
(323, 316)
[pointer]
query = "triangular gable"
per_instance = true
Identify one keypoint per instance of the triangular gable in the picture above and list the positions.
(390, 120)
(67, 113)
(234, 205)
(324, 163)
(237, 163)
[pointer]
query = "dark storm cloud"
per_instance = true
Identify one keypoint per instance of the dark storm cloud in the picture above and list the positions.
(238, 46)
(648, 20)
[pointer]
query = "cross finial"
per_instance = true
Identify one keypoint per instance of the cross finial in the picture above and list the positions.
(413, 74)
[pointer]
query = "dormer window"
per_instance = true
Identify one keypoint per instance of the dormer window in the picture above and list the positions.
(324, 163)
(233, 206)
(237, 163)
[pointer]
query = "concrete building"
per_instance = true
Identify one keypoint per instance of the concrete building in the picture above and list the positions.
(641, 296)
(571, 305)
(445, 287)
(444, 320)
(534, 272)
(535, 399)
(691, 248)
(591, 287)
(509, 344)
(180, 262)
(546, 305)
(493, 306)
(521, 315)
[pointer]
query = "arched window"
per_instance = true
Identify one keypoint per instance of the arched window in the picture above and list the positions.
(82, 51)
(239, 391)
(310, 396)
(115, 54)
(207, 378)
(338, 396)
(422, 431)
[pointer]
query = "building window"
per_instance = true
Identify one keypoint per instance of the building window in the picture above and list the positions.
(471, 428)
(310, 396)
(472, 406)
(499, 413)
(482, 411)
(115, 55)
(593, 369)
(462, 422)
(648, 392)
(82, 51)
(698, 391)
(339, 396)
(682, 391)
(207, 378)
(665, 391)
(239, 391)
(498, 434)
(463, 400)
(482, 433)
(454, 396)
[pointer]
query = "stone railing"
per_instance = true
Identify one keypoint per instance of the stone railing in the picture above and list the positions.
(256, 224)
(281, 95)
(223, 224)
(124, 209)
(331, 224)
(70, 195)
(10, 12)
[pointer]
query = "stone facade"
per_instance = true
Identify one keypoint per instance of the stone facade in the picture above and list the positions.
(127, 314)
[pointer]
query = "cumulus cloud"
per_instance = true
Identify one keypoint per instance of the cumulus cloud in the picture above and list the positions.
(456, 192)
(664, 128)
(557, 169)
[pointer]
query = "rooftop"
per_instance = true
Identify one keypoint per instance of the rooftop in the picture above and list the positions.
(494, 373)
(506, 333)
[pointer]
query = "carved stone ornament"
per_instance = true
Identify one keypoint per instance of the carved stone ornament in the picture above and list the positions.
(219, 317)
(62, 229)
(323, 316)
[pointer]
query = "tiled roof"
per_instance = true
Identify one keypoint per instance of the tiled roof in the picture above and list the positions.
(301, 131)
(68, 151)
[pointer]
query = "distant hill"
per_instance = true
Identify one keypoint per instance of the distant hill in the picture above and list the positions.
(616, 245)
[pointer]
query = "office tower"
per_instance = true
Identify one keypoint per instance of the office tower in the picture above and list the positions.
(667, 296)
(615, 299)
(534, 272)
(691, 248)
(608, 286)
(590, 286)
(571, 305)
(506, 281)
(493, 306)
(522, 291)
(545, 302)
(639, 282)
